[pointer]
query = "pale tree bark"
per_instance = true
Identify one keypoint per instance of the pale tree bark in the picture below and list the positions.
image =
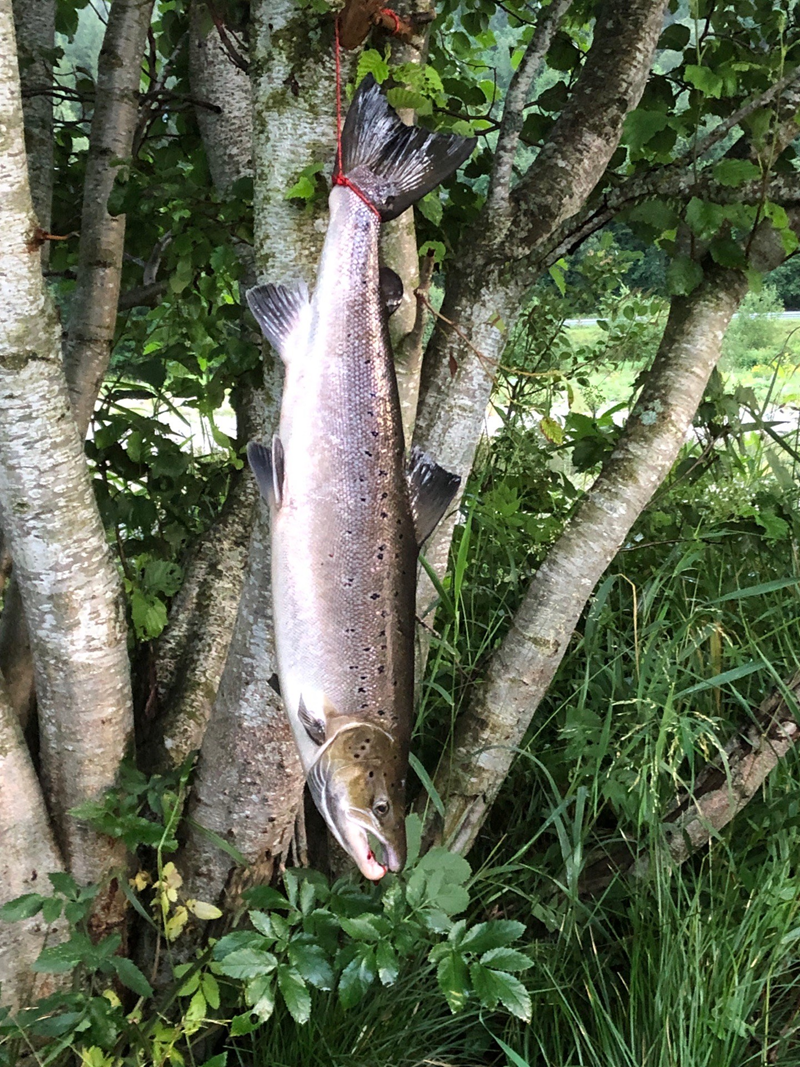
(28, 854)
(34, 25)
(69, 586)
(249, 781)
(399, 240)
(93, 312)
(487, 283)
(522, 668)
(192, 651)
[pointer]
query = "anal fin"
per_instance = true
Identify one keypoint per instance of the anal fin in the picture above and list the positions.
(267, 465)
(431, 488)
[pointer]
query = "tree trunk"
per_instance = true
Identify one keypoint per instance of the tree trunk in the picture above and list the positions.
(249, 780)
(93, 311)
(493, 726)
(28, 854)
(34, 25)
(69, 586)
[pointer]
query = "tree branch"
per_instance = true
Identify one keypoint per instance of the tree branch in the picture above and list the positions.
(90, 331)
(720, 792)
(494, 725)
(516, 99)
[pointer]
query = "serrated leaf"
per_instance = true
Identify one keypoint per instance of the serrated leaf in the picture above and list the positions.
(506, 959)
(211, 990)
(431, 207)
(495, 933)
(130, 976)
(453, 978)
(683, 276)
(262, 923)
(704, 79)
(388, 967)
(640, 125)
(407, 99)
(372, 62)
(295, 993)
(727, 252)
(736, 171)
(312, 963)
(363, 927)
(260, 995)
(703, 217)
(303, 189)
(247, 963)
(202, 910)
(23, 907)
(357, 977)
(51, 909)
(243, 1024)
(452, 899)
(552, 430)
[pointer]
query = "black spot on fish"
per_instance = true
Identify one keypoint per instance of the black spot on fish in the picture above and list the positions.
(384, 515)
(374, 433)
(375, 596)
(361, 689)
(381, 711)
(380, 671)
(384, 495)
(367, 452)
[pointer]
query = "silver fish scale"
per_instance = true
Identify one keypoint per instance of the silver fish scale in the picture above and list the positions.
(344, 550)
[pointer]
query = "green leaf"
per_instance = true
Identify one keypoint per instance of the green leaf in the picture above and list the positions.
(492, 934)
(492, 986)
(552, 429)
(718, 680)
(21, 907)
(295, 993)
(514, 1059)
(704, 79)
(703, 217)
(506, 959)
(51, 909)
(262, 923)
(220, 1060)
(683, 275)
(130, 976)
(453, 979)
(413, 838)
(388, 967)
(243, 1024)
(372, 62)
(675, 37)
(417, 767)
(401, 98)
(728, 253)
(756, 590)
(247, 963)
(641, 125)
(364, 927)
(431, 207)
(260, 995)
(312, 963)
(357, 977)
(736, 171)
(210, 988)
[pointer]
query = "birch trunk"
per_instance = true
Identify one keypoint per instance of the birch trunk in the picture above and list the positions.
(194, 647)
(28, 854)
(34, 25)
(93, 313)
(249, 781)
(483, 294)
(520, 671)
(69, 586)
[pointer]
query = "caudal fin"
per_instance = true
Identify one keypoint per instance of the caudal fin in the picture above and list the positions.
(394, 165)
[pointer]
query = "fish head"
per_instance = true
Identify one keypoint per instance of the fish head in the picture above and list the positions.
(358, 784)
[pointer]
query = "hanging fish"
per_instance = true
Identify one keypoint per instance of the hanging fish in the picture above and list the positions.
(347, 513)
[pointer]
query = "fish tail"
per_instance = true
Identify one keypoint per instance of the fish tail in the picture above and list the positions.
(392, 164)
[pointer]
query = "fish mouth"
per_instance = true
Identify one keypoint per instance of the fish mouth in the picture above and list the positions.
(372, 866)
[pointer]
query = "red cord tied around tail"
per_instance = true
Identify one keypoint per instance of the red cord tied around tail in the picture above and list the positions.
(338, 177)
(398, 27)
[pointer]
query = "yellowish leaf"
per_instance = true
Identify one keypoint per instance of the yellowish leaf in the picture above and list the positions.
(201, 910)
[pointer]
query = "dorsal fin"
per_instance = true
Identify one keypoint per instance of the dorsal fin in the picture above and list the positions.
(284, 314)
(431, 488)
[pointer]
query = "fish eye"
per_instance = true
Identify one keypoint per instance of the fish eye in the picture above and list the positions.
(381, 808)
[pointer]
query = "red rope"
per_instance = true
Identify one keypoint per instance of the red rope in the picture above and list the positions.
(338, 177)
(392, 15)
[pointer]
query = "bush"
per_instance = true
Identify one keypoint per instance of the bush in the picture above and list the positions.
(754, 328)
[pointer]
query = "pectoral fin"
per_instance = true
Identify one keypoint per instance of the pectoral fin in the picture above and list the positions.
(267, 465)
(314, 725)
(431, 488)
(284, 313)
